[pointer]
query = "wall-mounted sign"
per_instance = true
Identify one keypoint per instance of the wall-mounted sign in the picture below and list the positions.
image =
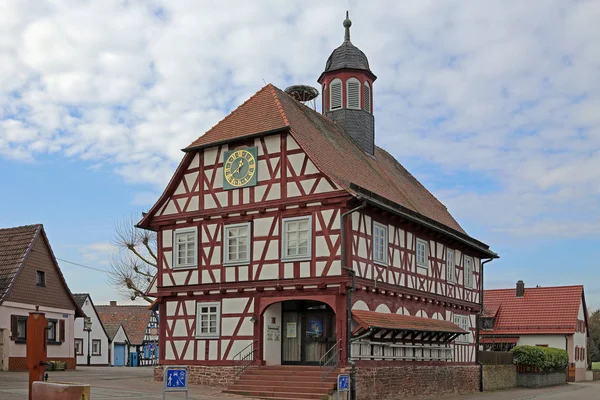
(291, 330)
(315, 327)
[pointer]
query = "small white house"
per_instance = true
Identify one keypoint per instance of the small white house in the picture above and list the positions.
(118, 344)
(91, 339)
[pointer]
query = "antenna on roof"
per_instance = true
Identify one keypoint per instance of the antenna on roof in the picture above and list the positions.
(303, 94)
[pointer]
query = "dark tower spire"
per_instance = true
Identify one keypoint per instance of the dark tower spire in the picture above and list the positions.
(347, 87)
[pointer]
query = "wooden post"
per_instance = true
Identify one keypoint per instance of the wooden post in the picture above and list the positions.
(36, 347)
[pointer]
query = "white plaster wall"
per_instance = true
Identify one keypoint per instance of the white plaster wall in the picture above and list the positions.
(580, 339)
(556, 341)
(64, 350)
(272, 348)
(97, 333)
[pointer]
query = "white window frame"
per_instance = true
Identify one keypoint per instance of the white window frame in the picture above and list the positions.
(384, 260)
(424, 264)
(450, 269)
(341, 86)
(176, 264)
(367, 104)
(468, 272)
(284, 256)
(245, 261)
(324, 97)
(208, 335)
(358, 85)
(464, 323)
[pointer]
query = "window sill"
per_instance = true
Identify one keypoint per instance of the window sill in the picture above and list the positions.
(21, 341)
(451, 282)
(299, 259)
(422, 269)
(244, 263)
(95, 355)
(184, 267)
(381, 263)
(40, 285)
(54, 343)
(208, 337)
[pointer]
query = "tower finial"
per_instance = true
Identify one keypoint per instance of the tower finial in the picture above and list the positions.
(347, 25)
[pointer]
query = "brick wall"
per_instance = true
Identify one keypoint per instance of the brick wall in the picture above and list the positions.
(203, 375)
(498, 377)
(20, 363)
(389, 380)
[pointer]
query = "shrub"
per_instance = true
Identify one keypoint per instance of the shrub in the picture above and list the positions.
(544, 359)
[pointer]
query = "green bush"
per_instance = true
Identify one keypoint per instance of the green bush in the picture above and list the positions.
(545, 359)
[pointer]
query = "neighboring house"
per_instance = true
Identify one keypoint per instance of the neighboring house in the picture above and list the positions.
(141, 328)
(275, 213)
(96, 351)
(119, 344)
(553, 316)
(30, 277)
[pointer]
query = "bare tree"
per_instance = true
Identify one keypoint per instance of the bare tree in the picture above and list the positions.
(133, 267)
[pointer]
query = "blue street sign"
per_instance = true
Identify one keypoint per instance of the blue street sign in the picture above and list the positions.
(175, 380)
(343, 383)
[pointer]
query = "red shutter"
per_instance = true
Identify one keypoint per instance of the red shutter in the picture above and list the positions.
(14, 326)
(61, 324)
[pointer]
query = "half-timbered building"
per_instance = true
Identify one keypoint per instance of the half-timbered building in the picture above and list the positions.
(286, 236)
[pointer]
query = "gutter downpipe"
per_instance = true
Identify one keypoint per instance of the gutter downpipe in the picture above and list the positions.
(349, 299)
(479, 326)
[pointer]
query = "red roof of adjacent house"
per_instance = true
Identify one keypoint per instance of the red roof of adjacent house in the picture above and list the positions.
(502, 339)
(542, 310)
(134, 319)
(15, 245)
(373, 319)
(333, 152)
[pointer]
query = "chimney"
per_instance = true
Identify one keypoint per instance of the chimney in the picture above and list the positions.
(520, 289)
(113, 303)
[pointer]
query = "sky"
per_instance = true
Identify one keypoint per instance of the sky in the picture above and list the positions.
(493, 106)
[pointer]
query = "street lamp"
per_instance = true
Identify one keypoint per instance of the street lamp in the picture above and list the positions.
(87, 326)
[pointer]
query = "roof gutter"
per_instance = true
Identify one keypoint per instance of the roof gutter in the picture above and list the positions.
(421, 221)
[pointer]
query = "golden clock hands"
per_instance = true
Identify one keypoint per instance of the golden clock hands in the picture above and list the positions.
(239, 167)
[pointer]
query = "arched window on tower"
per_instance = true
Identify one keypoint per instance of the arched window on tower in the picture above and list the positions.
(353, 93)
(335, 94)
(367, 97)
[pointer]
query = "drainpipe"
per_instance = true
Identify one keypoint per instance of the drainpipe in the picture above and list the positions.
(479, 325)
(349, 299)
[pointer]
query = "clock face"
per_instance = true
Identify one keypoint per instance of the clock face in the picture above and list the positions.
(239, 168)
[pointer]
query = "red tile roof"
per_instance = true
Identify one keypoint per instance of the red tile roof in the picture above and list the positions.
(134, 318)
(546, 310)
(15, 244)
(332, 151)
(492, 340)
(373, 319)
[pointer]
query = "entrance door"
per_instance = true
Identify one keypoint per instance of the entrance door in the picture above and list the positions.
(308, 332)
(119, 355)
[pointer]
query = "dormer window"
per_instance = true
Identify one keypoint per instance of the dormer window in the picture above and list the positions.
(487, 323)
(353, 93)
(335, 94)
(367, 97)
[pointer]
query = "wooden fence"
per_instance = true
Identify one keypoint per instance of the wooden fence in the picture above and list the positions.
(496, 358)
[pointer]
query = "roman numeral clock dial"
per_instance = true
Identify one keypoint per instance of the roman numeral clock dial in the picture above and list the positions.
(240, 168)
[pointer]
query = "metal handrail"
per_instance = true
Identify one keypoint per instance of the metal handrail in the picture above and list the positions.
(243, 359)
(330, 360)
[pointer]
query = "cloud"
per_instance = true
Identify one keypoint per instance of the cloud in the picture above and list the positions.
(504, 93)
(99, 252)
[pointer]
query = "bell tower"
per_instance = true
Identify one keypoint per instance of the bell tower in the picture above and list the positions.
(347, 88)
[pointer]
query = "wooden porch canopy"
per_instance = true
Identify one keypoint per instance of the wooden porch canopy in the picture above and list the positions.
(396, 327)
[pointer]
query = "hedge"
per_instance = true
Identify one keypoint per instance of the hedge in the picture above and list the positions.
(544, 359)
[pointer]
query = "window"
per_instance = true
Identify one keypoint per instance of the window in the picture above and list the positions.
(367, 97)
(468, 279)
(450, 267)
(463, 322)
(422, 254)
(96, 347)
(185, 247)
(52, 330)
(79, 347)
(208, 317)
(20, 327)
(40, 278)
(335, 94)
(353, 93)
(236, 247)
(296, 238)
(487, 323)
(380, 242)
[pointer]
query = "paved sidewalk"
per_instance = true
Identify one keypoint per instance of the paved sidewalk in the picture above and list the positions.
(572, 391)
